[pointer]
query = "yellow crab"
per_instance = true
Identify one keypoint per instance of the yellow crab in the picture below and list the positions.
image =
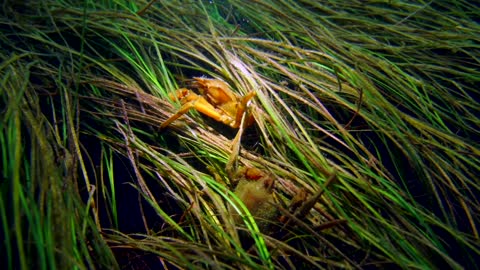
(216, 100)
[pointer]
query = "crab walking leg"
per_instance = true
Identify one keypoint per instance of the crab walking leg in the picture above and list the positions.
(183, 94)
(242, 107)
(178, 95)
(201, 105)
(184, 109)
(230, 168)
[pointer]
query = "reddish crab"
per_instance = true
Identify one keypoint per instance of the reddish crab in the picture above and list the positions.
(255, 190)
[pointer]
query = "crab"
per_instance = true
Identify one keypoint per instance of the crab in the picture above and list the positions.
(255, 190)
(216, 100)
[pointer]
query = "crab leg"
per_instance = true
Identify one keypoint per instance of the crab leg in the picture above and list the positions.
(201, 105)
(243, 105)
(232, 159)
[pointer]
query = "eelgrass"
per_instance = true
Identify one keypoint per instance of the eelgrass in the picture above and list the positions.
(44, 223)
(378, 98)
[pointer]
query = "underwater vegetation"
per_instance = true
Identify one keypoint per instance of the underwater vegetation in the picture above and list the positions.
(239, 134)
